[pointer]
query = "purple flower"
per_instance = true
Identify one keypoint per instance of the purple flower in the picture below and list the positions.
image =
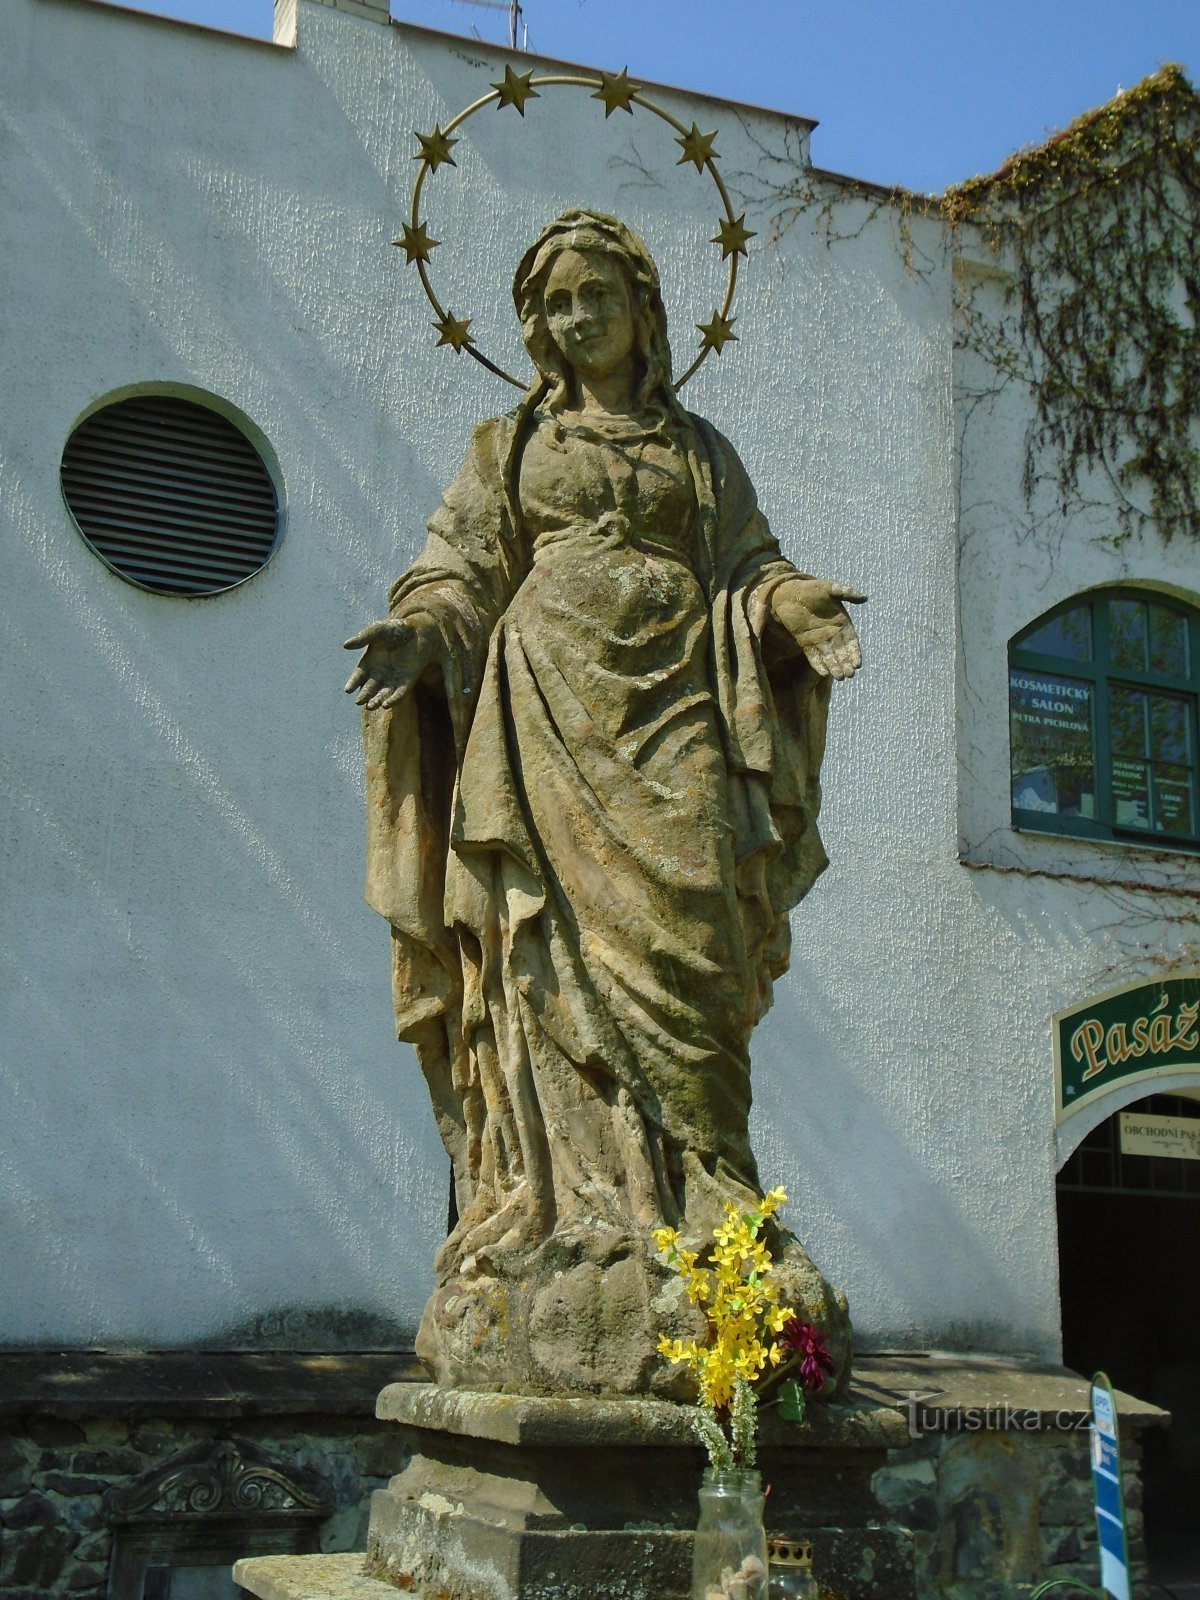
(815, 1360)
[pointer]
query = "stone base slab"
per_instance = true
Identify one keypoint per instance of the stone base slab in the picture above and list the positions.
(339, 1577)
(861, 1423)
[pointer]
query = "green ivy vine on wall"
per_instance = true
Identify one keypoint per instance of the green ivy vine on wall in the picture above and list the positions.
(1100, 226)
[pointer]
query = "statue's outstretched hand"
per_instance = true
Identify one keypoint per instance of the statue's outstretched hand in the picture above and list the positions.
(810, 610)
(397, 653)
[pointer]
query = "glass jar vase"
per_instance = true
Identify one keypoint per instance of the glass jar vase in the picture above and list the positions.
(730, 1560)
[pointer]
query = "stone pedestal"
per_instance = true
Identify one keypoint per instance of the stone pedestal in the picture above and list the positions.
(986, 1490)
(513, 1498)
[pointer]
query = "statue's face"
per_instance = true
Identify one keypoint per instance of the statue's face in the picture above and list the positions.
(589, 313)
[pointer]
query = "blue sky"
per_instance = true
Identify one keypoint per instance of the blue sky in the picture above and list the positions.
(922, 95)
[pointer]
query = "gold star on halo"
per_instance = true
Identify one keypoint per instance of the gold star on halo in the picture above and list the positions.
(717, 333)
(515, 88)
(696, 146)
(416, 243)
(435, 148)
(616, 91)
(732, 236)
(453, 332)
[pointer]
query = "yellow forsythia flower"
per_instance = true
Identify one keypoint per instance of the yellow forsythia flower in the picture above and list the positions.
(741, 1303)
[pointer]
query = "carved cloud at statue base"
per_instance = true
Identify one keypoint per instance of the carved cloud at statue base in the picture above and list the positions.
(584, 1314)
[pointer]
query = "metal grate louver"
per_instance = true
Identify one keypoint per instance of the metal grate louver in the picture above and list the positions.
(172, 496)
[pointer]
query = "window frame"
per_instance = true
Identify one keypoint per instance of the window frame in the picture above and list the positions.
(1101, 675)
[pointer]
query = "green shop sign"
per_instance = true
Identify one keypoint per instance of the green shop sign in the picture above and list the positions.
(1142, 1030)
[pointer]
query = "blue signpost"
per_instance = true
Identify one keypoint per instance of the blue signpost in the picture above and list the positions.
(1110, 1502)
(1110, 1498)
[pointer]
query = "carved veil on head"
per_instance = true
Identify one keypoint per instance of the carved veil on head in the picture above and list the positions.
(593, 233)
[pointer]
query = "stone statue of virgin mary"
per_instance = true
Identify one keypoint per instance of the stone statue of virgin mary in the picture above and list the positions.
(594, 721)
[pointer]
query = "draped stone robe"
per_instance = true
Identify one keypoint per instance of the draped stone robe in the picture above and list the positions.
(588, 832)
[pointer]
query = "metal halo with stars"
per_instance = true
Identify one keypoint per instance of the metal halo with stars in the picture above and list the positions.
(618, 94)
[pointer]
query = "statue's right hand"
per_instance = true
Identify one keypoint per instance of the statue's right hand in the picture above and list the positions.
(397, 653)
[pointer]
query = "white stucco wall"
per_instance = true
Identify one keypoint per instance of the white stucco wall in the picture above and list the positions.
(213, 1134)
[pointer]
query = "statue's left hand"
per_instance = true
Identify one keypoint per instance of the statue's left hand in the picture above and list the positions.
(810, 610)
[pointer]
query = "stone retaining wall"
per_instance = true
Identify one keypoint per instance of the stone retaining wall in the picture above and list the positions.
(55, 1473)
(77, 1428)
(993, 1514)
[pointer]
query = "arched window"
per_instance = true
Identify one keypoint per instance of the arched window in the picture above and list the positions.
(1103, 694)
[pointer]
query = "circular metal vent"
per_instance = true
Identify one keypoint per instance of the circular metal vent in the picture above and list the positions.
(171, 495)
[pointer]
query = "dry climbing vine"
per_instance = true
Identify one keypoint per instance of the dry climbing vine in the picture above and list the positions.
(1101, 225)
(788, 187)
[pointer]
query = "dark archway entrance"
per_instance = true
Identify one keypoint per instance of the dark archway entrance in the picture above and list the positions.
(1129, 1273)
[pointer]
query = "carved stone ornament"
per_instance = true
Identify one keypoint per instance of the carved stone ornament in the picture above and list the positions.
(226, 1479)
